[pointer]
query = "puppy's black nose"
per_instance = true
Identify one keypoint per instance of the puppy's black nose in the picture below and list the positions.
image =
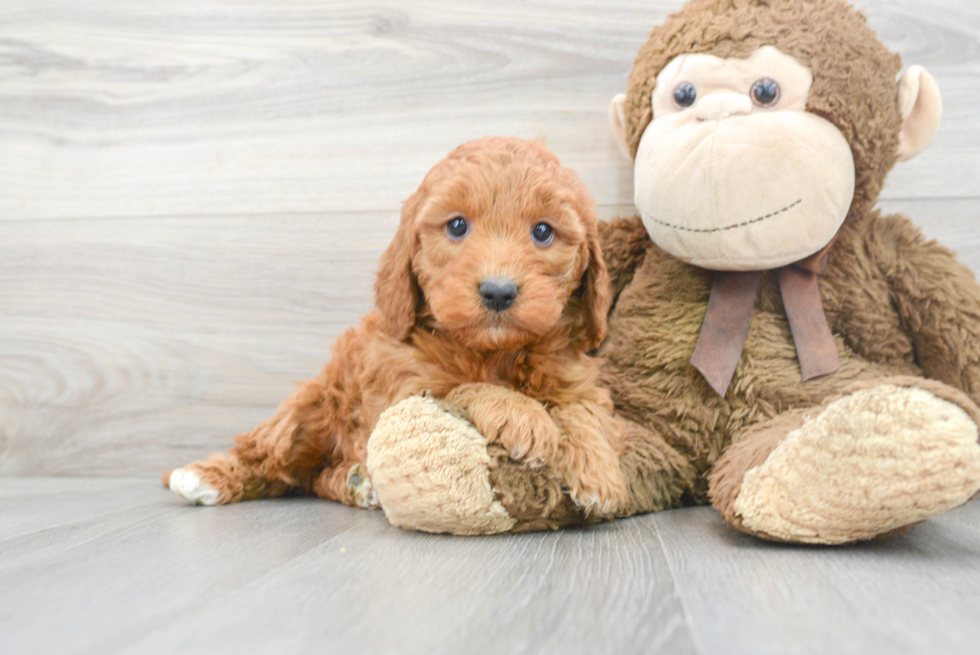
(498, 293)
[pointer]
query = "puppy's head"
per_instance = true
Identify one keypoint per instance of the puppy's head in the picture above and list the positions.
(499, 246)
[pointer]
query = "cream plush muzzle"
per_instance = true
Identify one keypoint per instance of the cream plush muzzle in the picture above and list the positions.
(709, 199)
(728, 185)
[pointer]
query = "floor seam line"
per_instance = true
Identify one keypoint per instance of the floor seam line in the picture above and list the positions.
(695, 638)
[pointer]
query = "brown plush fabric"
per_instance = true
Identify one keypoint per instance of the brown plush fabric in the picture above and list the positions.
(657, 475)
(532, 496)
(901, 308)
(749, 452)
(627, 242)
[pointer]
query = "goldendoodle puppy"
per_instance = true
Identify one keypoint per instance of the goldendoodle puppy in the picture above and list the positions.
(489, 297)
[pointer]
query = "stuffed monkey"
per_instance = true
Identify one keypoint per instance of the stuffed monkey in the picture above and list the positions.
(782, 350)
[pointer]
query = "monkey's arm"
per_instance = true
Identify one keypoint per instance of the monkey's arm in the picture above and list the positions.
(937, 299)
(624, 245)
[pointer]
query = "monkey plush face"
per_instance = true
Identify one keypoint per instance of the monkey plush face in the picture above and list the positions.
(733, 173)
(756, 127)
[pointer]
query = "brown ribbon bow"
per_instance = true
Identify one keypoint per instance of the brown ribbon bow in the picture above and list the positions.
(730, 307)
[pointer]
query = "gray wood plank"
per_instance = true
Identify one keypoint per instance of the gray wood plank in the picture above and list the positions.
(307, 576)
(131, 346)
(116, 108)
(75, 588)
(600, 590)
(302, 575)
(31, 504)
(916, 593)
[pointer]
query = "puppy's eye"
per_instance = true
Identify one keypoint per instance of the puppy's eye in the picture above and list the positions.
(765, 92)
(542, 233)
(685, 94)
(457, 228)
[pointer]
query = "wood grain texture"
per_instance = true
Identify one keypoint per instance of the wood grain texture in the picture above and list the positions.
(130, 343)
(309, 576)
(914, 593)
(141, 108)
(122, 566)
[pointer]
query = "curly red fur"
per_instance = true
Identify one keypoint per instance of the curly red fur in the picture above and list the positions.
(522, 374)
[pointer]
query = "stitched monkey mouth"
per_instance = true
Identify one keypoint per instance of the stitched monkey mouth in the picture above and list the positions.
(728, 227)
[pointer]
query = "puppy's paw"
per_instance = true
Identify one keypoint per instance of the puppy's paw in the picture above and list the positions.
(599, 497)
(360, 488)
(217, 480)
(526, 434)
(186, 483)
(520, 424)
(588, 459)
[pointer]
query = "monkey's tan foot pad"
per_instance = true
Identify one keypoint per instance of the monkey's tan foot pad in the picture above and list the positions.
(869, 463)
(361, 489)
(430, 470)
(187, 483)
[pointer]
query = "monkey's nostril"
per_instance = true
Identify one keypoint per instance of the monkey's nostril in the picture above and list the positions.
(498, 293)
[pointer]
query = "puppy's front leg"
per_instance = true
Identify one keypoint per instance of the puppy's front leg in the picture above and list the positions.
(588, 456)
(518, 423)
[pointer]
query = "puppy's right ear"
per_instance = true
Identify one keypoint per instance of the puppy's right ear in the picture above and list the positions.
(396, 291)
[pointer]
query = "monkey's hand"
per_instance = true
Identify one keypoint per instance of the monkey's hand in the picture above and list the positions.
(938, 301)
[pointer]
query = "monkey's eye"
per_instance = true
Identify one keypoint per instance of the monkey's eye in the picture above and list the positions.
(685, 94)
(457, 228)
(542, 233)
(765, 92)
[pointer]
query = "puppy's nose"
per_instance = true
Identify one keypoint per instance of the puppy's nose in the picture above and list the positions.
(498, 292)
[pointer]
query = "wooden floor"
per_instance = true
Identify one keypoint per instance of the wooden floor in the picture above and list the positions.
(121, 566)
(193, 198)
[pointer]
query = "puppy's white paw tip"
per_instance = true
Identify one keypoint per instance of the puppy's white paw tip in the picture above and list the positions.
(593, 504)
(188, 485)
(588, 501)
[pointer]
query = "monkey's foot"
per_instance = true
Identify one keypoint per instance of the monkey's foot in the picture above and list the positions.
(867, 464)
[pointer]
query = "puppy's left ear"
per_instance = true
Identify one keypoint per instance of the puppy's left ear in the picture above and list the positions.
(596, 289)
(396, 291)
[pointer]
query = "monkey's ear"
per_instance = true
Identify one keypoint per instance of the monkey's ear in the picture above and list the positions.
(921, 107)
(396, 291)
(617, 121)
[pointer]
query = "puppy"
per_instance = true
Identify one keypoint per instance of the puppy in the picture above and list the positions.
(489, 297)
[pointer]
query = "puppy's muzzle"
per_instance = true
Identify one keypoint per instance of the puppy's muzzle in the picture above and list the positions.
(498, 293)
